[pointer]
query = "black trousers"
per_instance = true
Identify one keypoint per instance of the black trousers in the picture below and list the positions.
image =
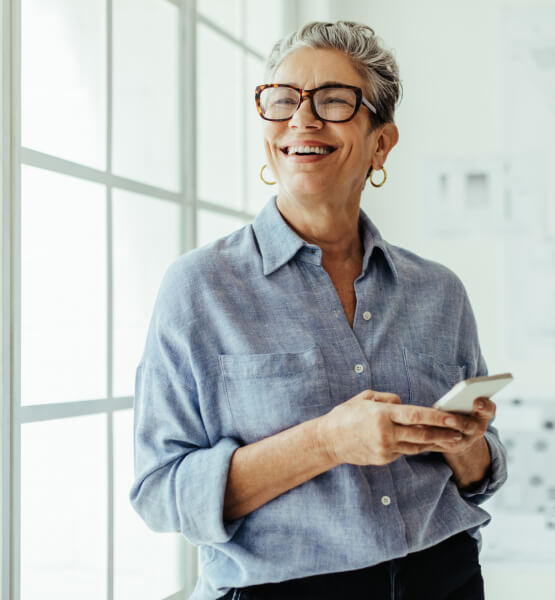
(447, 571)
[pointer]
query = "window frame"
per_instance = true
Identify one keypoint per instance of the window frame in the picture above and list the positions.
(13, 416)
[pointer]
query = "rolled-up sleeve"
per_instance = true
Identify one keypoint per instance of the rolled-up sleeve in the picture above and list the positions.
(497, 473)
(179, 477)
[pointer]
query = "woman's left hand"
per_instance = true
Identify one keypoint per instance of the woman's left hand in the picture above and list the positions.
(472, 426)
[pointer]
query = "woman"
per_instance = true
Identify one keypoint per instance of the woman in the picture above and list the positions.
(283, 418)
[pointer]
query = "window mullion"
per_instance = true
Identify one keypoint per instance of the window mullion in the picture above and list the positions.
(242, 100)
(109, 307)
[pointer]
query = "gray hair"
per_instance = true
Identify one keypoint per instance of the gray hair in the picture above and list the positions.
(373, 62)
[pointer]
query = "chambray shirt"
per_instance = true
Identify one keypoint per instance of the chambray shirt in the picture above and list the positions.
(248, 338)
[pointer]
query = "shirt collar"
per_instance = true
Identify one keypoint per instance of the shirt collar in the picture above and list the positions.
(278, 243)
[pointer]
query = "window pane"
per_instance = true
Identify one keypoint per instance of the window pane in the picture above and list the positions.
(257, 191)
(146, 240)
(264, 24)
(63, 79)
(218, 118)
(146, 92)
(211, 226)
(147, 565)
(63, 509)
(63, 288)
(225, 13)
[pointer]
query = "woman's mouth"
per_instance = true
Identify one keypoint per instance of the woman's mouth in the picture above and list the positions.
(307, 150)
(307, 153)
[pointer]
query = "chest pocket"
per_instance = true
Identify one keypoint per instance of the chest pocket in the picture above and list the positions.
(430, 378)
(268, 393)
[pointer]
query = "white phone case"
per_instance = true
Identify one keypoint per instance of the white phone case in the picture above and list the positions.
(460, 398)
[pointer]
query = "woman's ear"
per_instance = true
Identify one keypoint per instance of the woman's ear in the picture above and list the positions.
(388, 136)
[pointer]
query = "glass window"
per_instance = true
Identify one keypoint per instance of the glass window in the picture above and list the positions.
(212, 225)
(63, 509)
(146, 564)
(218, 119)
(63, 79)
(146, 92)
(63, 288)
(257, 191)
(224, 13)
(87, 292)
(264, 24)
(146, 239)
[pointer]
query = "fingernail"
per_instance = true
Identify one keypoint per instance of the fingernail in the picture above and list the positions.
(480, 404)
(450, 421)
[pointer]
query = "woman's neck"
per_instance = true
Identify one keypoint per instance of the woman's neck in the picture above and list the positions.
(334, 228)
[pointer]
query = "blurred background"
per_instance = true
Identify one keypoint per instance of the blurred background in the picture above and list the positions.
(130, 136)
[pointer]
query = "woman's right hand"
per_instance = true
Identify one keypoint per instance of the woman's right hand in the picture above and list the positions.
(374, 428)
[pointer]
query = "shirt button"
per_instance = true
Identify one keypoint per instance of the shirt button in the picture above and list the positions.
(367, 315)
(386, 500)
(359, 368)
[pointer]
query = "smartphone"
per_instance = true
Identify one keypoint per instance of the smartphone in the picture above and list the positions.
(460, 398)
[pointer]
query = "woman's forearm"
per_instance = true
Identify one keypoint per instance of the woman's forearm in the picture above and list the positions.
(266, 469)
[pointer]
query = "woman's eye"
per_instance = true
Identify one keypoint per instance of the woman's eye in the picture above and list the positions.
(336, 101)
(284, 101)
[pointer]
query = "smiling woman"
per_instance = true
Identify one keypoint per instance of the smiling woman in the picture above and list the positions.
(283, 403)
(352, 140)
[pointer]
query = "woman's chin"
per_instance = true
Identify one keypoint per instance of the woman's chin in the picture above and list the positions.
(310, 185)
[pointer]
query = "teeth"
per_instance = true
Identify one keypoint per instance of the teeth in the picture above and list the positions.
(307, 149)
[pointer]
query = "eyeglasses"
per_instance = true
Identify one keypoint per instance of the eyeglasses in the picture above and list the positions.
(334, 102)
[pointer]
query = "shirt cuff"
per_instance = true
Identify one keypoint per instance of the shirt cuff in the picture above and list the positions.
(201, 485)
(497, 474)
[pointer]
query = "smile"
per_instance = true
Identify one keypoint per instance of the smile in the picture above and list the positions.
(307, 150)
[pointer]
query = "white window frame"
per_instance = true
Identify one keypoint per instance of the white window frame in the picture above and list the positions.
(13, 415)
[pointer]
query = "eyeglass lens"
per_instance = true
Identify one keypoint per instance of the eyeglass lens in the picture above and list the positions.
(331, 104)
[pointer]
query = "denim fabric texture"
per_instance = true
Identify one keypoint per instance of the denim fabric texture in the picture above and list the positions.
(247, 338)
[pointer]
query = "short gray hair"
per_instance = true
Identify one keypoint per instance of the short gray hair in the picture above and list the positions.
(370, 58)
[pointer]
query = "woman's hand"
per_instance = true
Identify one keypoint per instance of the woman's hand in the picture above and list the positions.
(374, 428)
(472, 426)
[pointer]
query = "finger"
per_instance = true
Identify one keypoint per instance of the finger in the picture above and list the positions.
(408, 448)
(484, 407)
(422, 415)
(407, 414)
(389, 398)
(426, 435)
(381, 397)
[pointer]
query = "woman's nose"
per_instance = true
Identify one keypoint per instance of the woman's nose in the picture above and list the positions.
(304, 116)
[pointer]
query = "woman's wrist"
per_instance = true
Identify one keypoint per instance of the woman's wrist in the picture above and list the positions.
(324, 439)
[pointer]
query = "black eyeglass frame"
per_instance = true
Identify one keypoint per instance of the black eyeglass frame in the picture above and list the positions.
(360, 99)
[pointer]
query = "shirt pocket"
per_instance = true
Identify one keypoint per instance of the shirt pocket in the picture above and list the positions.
(271, 392)
(430, 378)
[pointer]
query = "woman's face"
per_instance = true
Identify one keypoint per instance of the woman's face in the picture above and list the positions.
(344, 170)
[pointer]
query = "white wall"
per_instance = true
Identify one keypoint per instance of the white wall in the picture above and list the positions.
(446, 52)
(437, 58)
(447, 58)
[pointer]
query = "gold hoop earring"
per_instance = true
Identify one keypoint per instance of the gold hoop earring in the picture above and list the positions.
(384, 177)
(265, 180)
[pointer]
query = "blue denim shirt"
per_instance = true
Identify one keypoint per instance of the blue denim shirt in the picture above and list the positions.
(248, 337)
